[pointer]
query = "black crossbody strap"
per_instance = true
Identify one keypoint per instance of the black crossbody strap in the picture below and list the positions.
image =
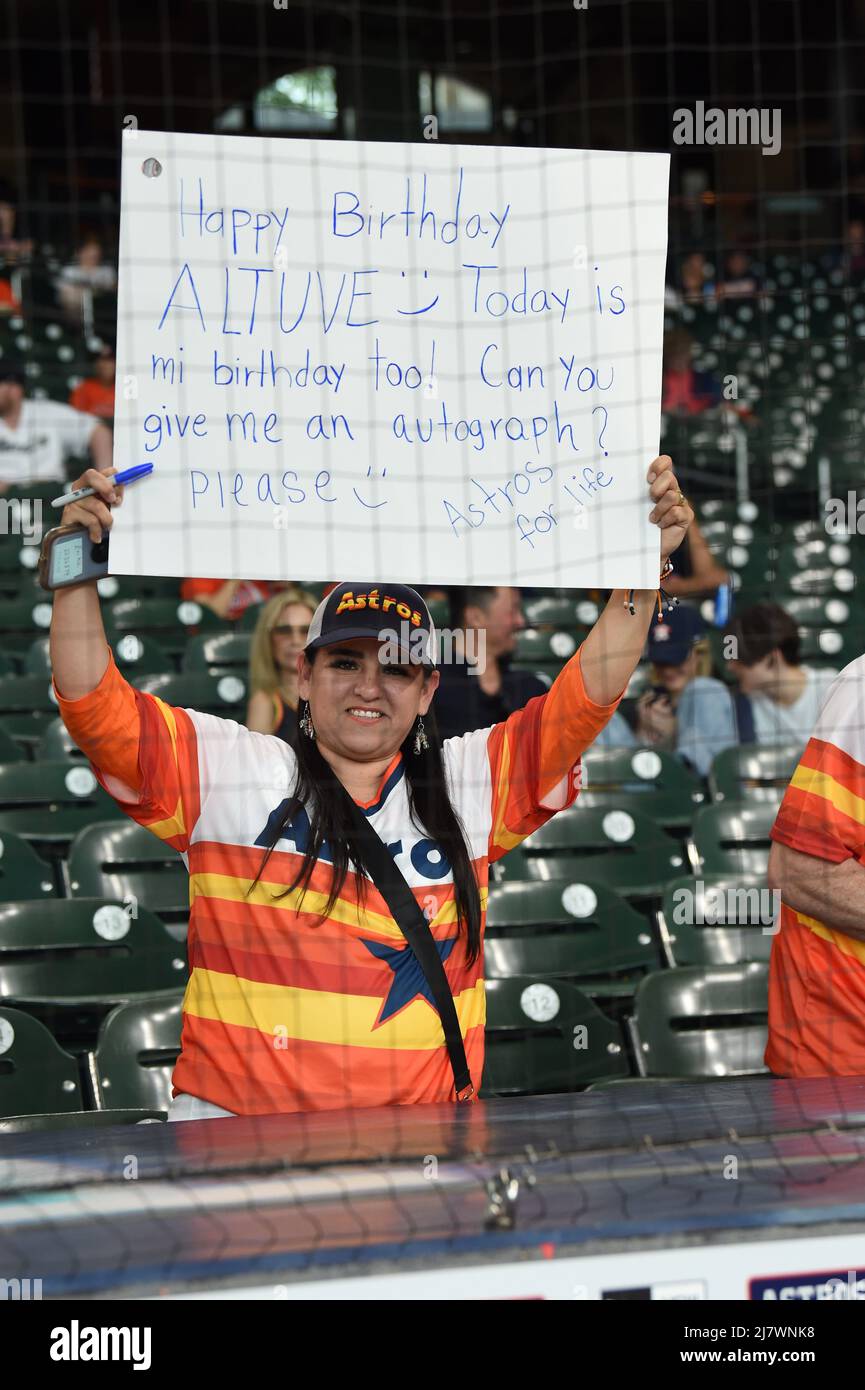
(744, 717)
(411, 921)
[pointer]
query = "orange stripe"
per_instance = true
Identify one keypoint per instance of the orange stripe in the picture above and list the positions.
(821, 756)
(242, 1071)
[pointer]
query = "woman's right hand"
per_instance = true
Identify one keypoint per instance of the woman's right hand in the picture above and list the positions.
(94, 512)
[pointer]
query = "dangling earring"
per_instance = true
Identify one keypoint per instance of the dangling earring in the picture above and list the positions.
(306, 724)
(421, 742)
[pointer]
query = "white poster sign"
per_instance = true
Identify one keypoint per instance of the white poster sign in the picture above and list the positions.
(418, 362)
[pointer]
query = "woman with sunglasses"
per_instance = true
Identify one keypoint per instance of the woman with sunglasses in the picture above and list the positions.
(278, 640)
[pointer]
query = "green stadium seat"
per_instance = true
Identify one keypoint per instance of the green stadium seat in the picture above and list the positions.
(133, 655)
(35, 1073)
(22, 873)
(10, 751)
(826, 581)
(223, 695)
(703, 1020)
(718, 920)
(23, 618)
(136, 1050)
(827, 648)
(732, 837)
(752, 772)
(565, 614)
(639, 877)
(583, 829)
(27, 707)
(219, 654)
(581, 932)
(545, 1035)
(168, 621)
(622, 850)
(643, 779)
(65, 954)
(51, 801)
(818, 611)
(546, 650)
(57, 744)
(118, 586)
(123, 860)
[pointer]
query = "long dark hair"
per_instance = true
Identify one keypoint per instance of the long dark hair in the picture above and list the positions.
(318, 789)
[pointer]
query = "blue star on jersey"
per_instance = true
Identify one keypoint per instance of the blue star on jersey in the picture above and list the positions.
(409, 981)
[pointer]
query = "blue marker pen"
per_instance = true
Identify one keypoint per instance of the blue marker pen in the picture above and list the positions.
(129, 475)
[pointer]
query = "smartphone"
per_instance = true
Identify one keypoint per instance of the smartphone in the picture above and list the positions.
(723, 604)
(69, 556)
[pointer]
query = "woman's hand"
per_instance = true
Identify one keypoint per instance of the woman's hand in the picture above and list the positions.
(671, 514)
(93, 512)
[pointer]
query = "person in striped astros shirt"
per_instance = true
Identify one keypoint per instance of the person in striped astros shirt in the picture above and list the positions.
(303, 994)
(817, 862)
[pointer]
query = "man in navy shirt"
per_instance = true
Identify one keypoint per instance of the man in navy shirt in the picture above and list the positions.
(474, 696)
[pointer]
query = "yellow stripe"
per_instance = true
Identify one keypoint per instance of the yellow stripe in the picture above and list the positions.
(845, 943)
(822, 785)
(347, 1020)
(231, 889)
(165, 829)
(168, 715)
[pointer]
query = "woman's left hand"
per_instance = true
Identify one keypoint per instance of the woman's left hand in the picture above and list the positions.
(671, 511)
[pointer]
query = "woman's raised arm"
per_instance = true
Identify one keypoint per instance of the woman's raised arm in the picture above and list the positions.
(612, 650)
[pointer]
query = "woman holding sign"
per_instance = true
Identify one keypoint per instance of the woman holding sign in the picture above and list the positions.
(310, 871)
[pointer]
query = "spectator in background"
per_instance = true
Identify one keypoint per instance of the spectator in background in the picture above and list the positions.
(9, 303)
(685, 391)
(697, 573)
(13, 249)
(685, 710)
(37, 437)
(817, 967)
(695, 285)
(478, 694)
(779, 699)
(95, 394)
(87, 273)
(739, 279)
(279, 639)
(229, 598)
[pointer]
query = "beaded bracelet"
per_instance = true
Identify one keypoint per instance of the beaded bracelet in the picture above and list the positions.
(663, 598)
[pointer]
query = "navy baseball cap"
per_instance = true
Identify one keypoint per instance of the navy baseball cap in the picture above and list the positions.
(673, 638)
(13, 370)
(380, 611)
